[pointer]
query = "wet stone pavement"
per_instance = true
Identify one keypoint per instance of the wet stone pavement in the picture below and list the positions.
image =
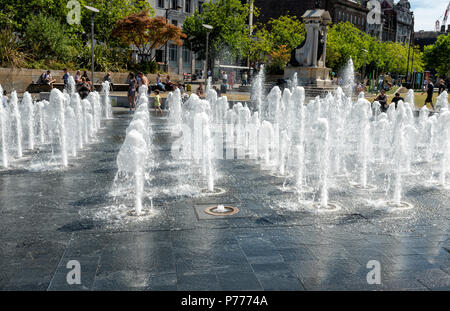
(48, 218)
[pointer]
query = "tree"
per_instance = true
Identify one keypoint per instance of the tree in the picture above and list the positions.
(279, 35)
(16, 14)
(229, 35)
(345, 41)
(146, 33)
(437, 56)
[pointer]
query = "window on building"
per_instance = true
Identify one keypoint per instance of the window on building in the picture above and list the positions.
(173, 4)
(187, 6)
(175, 22)
(200, 6)
(161, 3)
(173, 53)
(186, 56)
(159, 56)
(339, 15)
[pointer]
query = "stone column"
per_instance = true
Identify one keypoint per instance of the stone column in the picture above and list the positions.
(315, 47)
(324, 55)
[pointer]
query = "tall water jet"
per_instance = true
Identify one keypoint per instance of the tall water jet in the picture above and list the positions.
(362, 114)
(18, 122)
(175, 116)
(28, 107)
(106, 101)
(71, 89)
(265, 138)
(257, 95)
(78, 109)
(444, 122)
(348, 77)
(322, 131)
(57, 103)
(3, 132)
(130, 160)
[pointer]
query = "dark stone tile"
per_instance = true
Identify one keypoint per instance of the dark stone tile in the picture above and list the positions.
(198, 282)
(120, 280)
(279, 281)
(238, 281)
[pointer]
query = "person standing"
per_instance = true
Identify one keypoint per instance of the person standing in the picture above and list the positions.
(157, 103)
(5, 99)
(244, 78)
(66, 78)
(225, 77)
(132, 83)
(429, 89)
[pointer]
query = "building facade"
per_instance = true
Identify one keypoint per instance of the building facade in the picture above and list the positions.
(353, 11)
(180, 59)
(397, 20)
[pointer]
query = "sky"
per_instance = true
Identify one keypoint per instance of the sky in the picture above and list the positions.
(426, 12)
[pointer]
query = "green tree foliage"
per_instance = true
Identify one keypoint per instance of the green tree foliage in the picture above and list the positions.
(47, 38)
(437, 56)
(17, 13)
(345, 41)
(227, 39)
(278, 35)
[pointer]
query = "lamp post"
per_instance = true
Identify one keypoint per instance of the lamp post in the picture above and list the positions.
(94, 11)
(208, 30)
(176, 8)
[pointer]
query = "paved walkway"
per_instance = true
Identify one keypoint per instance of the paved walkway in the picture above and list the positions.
(49, 218)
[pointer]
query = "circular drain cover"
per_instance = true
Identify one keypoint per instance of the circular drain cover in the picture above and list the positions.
(142, 213)
(366, 187)
(221, 210)
(400, 207)
(331, 207)
(216, 191)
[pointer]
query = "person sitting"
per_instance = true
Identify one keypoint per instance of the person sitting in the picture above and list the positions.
(169, 84)
(78, 77)
(107, 78)
(396, 99)
(382, 99)
(159, 83)
(200, 91)
(47, 79)
(86, 78)
(84, 88)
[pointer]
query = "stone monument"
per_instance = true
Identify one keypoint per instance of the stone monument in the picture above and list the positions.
(308, 59)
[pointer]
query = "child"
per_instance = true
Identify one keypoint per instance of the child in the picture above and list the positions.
(157, 103)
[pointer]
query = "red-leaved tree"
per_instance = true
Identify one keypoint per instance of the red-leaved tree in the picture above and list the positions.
(147, 33)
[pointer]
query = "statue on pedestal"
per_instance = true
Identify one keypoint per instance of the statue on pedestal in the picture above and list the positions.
(308, 59)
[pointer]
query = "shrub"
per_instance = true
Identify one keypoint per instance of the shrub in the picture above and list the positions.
(10, 49)
(48, 38)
